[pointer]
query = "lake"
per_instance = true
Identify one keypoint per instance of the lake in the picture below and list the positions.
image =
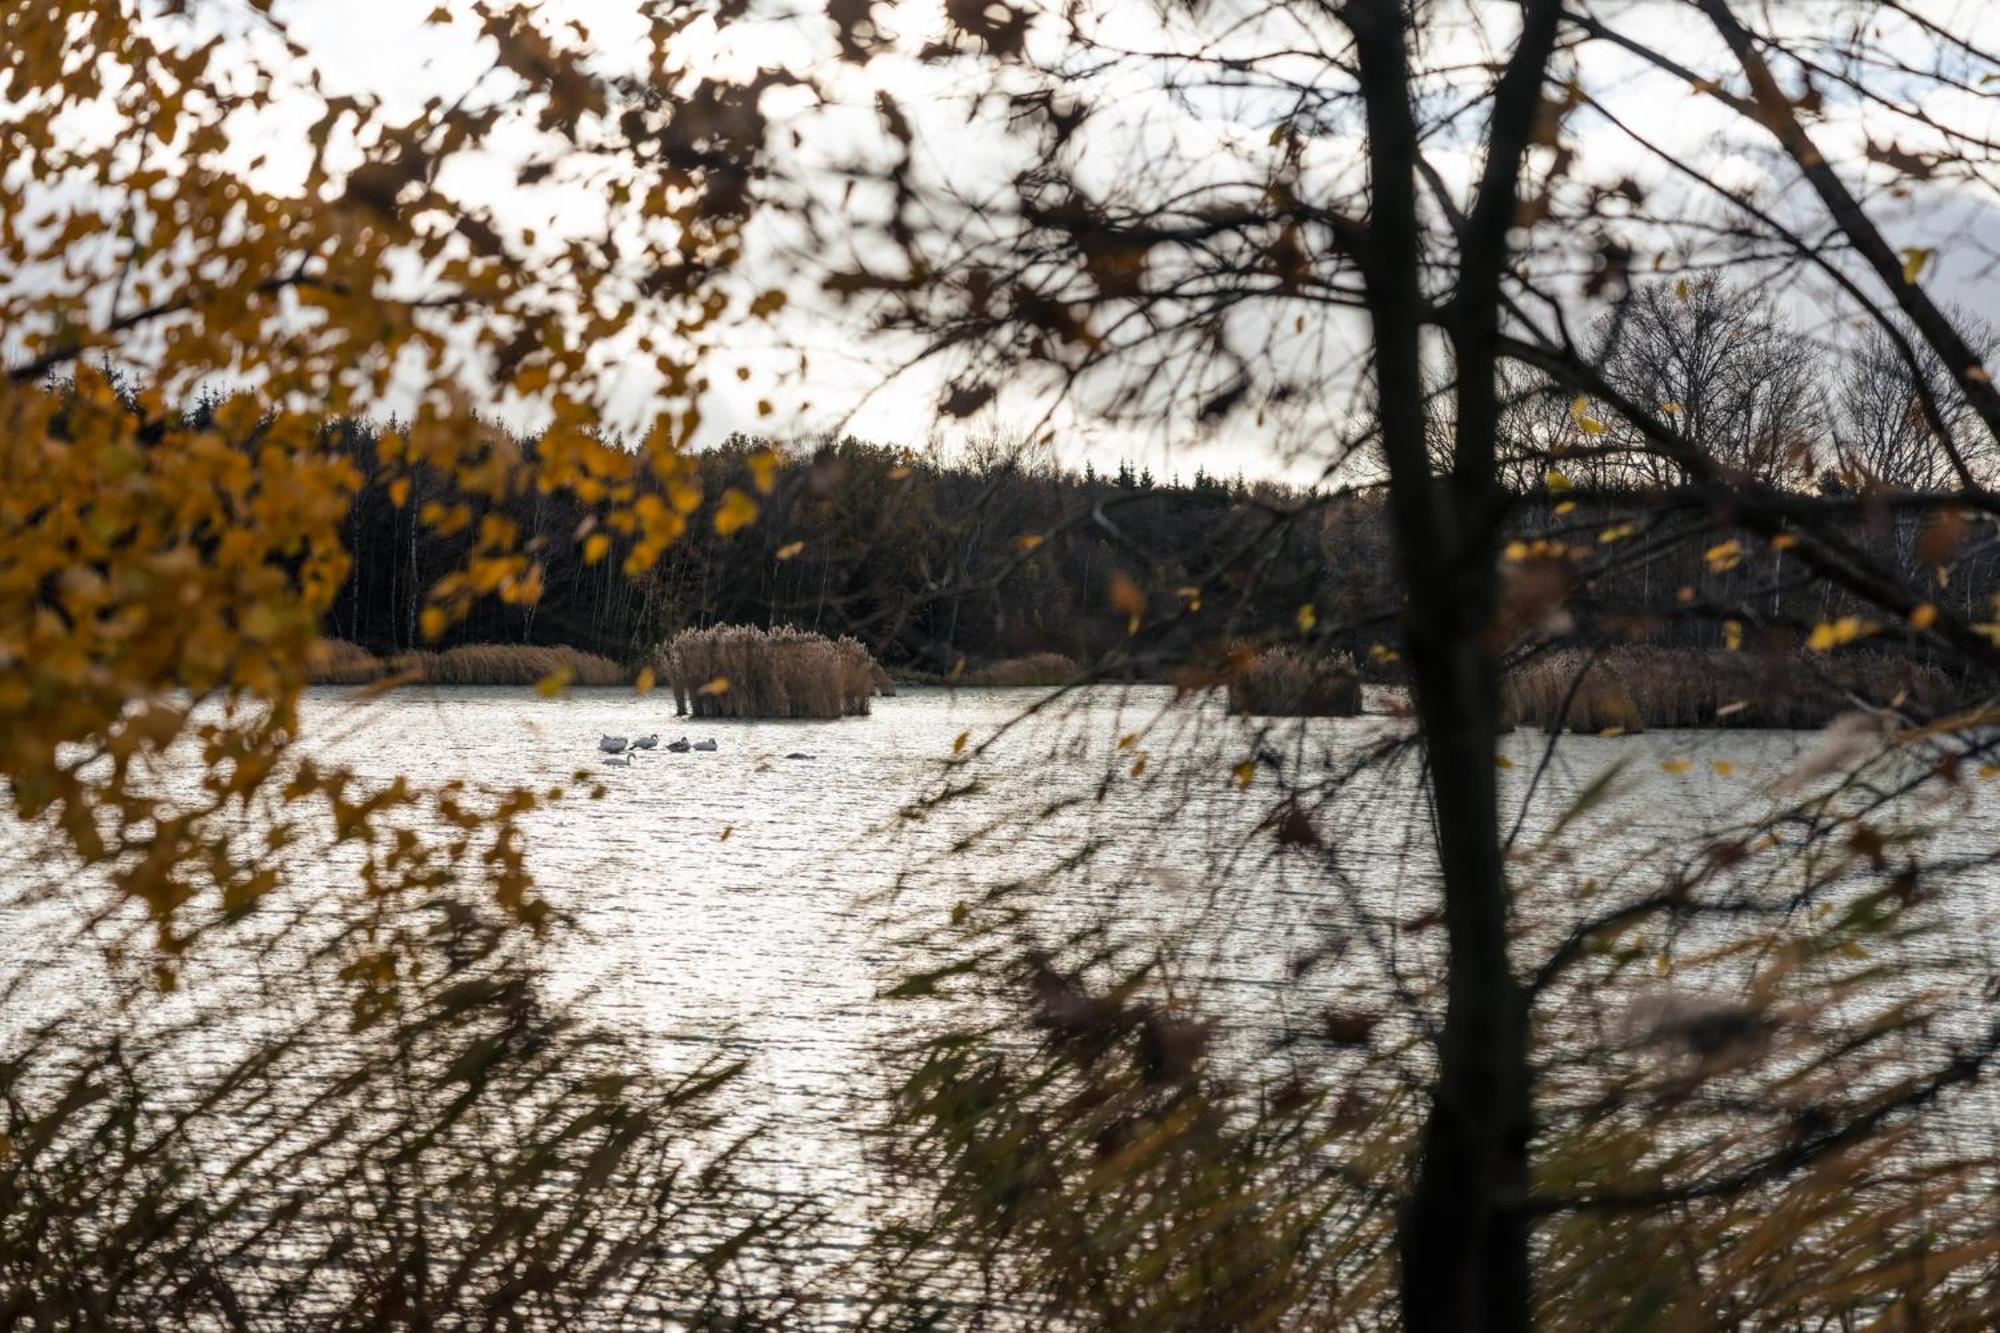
(740, 901)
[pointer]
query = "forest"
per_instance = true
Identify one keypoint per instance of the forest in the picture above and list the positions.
(943, 558)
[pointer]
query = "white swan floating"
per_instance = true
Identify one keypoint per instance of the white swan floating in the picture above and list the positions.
(611, 744)
(618, 760)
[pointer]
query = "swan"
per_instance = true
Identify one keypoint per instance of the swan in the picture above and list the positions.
(618, 760)
(611, 744)
(680, 746)
(704, 745)
(646, 742)
(798, 754)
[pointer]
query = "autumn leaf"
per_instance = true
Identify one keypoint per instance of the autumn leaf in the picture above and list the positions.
(736, 512)
(789, 550)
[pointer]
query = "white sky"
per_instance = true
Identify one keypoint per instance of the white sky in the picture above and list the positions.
(386, 50)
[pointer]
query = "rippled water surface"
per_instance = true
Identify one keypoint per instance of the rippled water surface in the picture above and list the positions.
(743, 901)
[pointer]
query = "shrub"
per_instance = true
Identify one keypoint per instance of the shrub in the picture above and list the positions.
(743, 671)
(1643, 686)
(1033, 669)
(1291, 682)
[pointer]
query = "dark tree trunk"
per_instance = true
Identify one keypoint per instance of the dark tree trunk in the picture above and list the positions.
(1464, 1237)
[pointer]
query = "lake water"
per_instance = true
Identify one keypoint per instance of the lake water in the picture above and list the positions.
(742, 901)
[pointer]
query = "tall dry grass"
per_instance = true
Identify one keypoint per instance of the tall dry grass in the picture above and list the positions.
(1034, 669)
(338, 662)
(742, 671)
(1641, 686)
(1291, 682)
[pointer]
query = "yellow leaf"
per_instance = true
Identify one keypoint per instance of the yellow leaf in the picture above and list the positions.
(790, 549)
(1915, 258)
(1723, 768)
(1139, 766)
(432, 621)
(1307, 618)
(1832, 634)
(644, 684)
(1244, 772)
(1128, 740)
(716, 685)
(737, 511)
(556, 681)
(1924, 616)
(958, 745)
(1557, 482)
(1125, 595)
(1502, 761)
(727, 829)
(1671, 409)
(1675, 765)
(1732, 634)
(1724, 556)
(595, 548)
(764, 470)
(399, 492)
(1681, 290)
(1027, 541)
(1565, 507)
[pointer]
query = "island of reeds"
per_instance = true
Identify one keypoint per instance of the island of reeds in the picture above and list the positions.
(338, 662)
(1636, 687)
(740, 671)
(1296, 682)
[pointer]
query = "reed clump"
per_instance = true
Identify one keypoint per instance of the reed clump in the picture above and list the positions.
(338, 662)
(511, 664)
(1292, 682)
(1641, 686)
(740, 671)
(1042, 669)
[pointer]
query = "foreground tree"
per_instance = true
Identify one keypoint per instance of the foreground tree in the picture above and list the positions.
(1412, 181)
(187, 209)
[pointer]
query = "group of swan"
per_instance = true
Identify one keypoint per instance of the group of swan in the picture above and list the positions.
(618, 750)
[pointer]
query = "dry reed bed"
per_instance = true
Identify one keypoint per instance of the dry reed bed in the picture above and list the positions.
(1042, 669)
(739, 671)
(1291, 682)
(1642, 686)
(338, 662)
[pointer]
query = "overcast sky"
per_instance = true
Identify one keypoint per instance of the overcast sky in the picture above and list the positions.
(387, 50)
